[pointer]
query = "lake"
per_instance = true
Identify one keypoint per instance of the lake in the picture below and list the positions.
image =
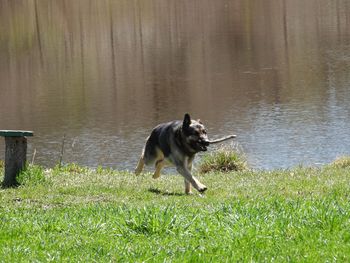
(99, 75)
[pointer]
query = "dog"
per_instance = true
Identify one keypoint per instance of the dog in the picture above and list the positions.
(176, 143)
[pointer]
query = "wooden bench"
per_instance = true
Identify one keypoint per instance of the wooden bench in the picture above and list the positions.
(15, 155)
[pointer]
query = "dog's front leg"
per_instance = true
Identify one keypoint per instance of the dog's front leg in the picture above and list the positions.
(191, 179)
(188, 186)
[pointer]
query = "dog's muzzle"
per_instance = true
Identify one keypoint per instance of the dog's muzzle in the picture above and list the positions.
(203, 144)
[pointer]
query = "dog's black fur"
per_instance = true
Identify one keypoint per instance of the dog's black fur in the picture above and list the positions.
(176, 143)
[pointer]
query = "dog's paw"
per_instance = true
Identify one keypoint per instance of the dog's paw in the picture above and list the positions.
(156, 175)
(137, 171)
(202, 189)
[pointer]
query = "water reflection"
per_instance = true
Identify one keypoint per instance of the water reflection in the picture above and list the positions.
(105, 72)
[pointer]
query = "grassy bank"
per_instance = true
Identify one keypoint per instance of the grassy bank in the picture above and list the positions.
(76, 214)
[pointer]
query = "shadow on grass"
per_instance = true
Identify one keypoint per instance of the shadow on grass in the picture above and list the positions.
(165, 193)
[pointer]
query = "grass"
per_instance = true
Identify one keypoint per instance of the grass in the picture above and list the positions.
(223, 160)
(76, 214)
(341, 162)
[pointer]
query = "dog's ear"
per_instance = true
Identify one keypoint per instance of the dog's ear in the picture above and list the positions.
(187, 121)
(199, 120)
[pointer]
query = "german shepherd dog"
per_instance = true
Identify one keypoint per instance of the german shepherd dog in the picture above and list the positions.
(176, 143)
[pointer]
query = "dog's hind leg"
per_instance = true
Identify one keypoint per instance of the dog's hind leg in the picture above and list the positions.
(140, 165)
(159, 166)
(147, 157)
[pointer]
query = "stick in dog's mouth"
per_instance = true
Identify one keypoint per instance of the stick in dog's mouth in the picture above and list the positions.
(222, 139)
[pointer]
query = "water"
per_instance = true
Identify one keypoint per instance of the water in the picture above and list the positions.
(104, 73)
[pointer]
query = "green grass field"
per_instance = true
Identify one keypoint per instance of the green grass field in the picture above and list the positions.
(75, 214)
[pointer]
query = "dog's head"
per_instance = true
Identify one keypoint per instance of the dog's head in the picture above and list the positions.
(195, 134)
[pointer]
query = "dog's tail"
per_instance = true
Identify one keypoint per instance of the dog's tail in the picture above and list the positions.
(223, 139)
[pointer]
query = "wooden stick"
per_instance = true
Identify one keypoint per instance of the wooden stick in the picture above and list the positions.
(33, 157)
(62, 150)
(223, 139)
